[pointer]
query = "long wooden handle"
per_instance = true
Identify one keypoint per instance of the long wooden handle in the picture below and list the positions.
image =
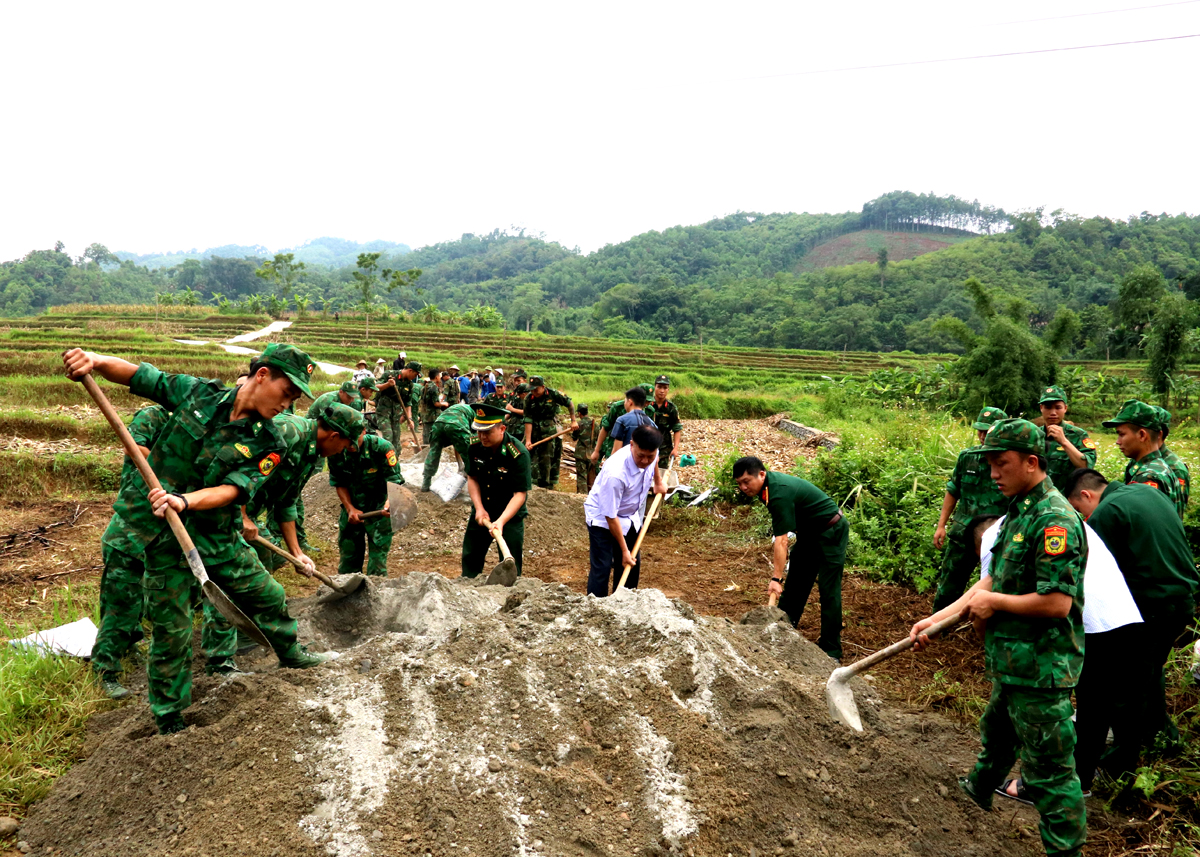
(898, 647)
(498, 535)
(416, 440)
(552, 437)
(259, 540)
(135, 455)
(637, 545)
(378, 513)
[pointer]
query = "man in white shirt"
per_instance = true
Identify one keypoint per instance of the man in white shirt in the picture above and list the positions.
(613, 510)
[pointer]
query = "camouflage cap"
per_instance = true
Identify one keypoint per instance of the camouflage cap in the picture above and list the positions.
(986, 417)
(367, 382)
(413, 365)
(291, 361)
(537, 381)
(349, 388)
(1135, 413)
(1017, 434)
(581, 408)
(649, 388)
(344, 420)
(1164, 419)
(1053, 393)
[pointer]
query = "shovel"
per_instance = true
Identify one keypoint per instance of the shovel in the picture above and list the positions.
(505, 574)
(211, 591)
(352, 584)
(552, 437)
(402, 507)
(637, 546)
(837, 690)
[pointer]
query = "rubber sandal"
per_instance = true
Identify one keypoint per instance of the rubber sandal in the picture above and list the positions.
(1020, 796)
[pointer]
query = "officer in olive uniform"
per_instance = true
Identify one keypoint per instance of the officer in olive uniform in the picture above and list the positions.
(1139, 438)
(970, 491)
(393, 405)
(498, 481)
(1178, 466)
(214, 453)
(666, 419)
(540, 406)
(433, 402)
(1068, 447)
(1032, 611)
(585, 442)
(361, 479)
(307, 443)
(453, 429)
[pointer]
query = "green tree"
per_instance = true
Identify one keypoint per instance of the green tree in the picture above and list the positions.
(1062, 333)
(98, 254)
(1167, 341)
(529, 302)
(303, 302)
(369, 277)
(881, 261)
(283, 272)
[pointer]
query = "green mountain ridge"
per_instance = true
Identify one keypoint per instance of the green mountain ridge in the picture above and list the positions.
(327, 251)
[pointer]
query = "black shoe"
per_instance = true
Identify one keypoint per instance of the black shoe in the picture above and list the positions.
(968, 788)
(169, 724)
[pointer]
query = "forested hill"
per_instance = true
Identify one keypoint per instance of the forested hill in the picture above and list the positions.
(331, 252)
(748, 279)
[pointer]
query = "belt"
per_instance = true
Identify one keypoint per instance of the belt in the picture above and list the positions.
(837, 517)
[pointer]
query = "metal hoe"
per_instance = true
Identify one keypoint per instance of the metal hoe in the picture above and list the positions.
(505, 574)
(352, 584)
(402, 508)
(837, 690)
(211, 591)
(547, 439)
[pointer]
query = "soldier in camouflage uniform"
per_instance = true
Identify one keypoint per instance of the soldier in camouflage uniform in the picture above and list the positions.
(498, 483)
(432, 404)
(585, 442)
(347, 394)
(1068, 447)
(308, 442)
(453, 429)
(1138, 438)
(361, 481)
(604, 441)
(214, 453)
(1178, 466)
(393, 404)
(450, 389)
(666, 419)
(970, 491)
(1032, 611)
(540, 406)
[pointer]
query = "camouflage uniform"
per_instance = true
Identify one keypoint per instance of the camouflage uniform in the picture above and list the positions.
(615, 411)
(280, 500)
(1152, 468)
(332, 397)
(1034, 663)
(452, 428)
(585, 441)
(972, 487)
(666, 420)
(1059, 465)
(365, 475)
(451, 391)
(430, 395)
(390, 405)
(539, 413)
(200, 447)
(500, 473)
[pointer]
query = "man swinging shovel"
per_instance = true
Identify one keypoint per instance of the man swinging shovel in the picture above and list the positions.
(498, 482)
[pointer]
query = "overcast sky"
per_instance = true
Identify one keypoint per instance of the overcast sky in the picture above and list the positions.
(166, 126)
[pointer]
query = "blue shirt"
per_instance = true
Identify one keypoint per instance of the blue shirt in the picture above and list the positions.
(487, 388)
(464, 384)
(628, 423)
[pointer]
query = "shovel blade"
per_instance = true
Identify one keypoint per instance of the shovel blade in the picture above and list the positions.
(402, 506)
(505, 574)
(348, 584)
(840, 697)
(229, 610)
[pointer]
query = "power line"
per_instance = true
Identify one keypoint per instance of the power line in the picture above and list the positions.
(1101, 12)
(964, 59)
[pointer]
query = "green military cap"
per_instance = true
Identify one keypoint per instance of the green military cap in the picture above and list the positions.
(344, 420)
(349, 388)
(487, 416)
(291, 361)
(1135, 413)
(1020, 435)
(986, 417)
(1164, 418)
(581, 408)
(367, 382)
(1053, 393)
(413, 365)
(662, 379)
(537, 381)
(649, 388)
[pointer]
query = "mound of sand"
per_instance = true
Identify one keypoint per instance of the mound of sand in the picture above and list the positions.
(464, 719)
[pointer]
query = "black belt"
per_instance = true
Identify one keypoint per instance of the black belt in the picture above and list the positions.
(837, 517)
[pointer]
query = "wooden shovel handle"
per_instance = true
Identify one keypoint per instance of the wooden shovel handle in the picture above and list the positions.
(552, 437)
(378, 513)
(259, 540)
(637, 545)
(498, 535)
(135, 455)
(898, 647)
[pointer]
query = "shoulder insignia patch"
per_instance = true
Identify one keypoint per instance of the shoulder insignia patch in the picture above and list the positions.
(1056, 540)
(1151, 483)
(1089, 443)
(243, 449)
(268, 464)
(257, 426)
(372, 469)
(1182, 483)
(391, 458)
(1019, 537)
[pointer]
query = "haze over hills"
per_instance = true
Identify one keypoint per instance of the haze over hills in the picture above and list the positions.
(330, 252)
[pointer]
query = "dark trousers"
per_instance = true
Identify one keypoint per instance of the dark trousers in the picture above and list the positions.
(1107, 697)
(477, 541)
(958, 561)
(819, 561)
(605, 556)
(1162, 630)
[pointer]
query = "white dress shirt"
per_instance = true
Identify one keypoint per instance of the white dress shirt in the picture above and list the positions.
(619, 491)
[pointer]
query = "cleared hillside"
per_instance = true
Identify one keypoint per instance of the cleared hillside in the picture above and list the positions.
(864, 246)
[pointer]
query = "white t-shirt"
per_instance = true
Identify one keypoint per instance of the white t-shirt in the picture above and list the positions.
(1107, 603)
